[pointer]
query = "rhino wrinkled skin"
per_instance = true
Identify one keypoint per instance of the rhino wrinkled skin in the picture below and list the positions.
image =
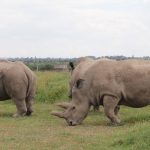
(17, 82)
(109, 83)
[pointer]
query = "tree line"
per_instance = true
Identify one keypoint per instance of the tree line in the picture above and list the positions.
(62, 63)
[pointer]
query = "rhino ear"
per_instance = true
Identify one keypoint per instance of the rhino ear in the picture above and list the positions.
(79, 83)
(72, 66)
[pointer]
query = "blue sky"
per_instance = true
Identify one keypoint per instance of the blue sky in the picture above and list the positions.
(74, 28)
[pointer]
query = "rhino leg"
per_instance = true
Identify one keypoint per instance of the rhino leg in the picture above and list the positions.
(29, 102)
(117, 108)
(111, 109)
(21, 107)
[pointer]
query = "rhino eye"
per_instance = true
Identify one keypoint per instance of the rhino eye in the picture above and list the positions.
(79, 83)
(73, 107)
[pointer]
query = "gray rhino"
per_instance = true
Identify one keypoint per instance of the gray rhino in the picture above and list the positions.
(78, 68)
(111, 84)
(17, 82)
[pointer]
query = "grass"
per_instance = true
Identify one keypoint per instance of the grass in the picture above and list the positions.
(42, 131)
(52, 86)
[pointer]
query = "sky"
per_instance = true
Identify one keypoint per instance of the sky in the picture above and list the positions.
(74, 28)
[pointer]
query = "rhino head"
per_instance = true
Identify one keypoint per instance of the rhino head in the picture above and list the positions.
(77, 109)
(77, 69)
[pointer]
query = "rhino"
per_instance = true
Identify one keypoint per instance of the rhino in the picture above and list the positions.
(109, 83)
(17, 82)
(78, 68)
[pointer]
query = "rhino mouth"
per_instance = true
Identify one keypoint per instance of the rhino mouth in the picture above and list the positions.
(76, 122)
(71, 120)
(72, 123)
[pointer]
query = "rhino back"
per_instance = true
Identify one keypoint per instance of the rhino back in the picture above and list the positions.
(15, 79)
(128, 80)
(136, 81)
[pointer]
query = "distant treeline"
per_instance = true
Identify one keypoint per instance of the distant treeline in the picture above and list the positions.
(62, 63)
(64, 60)
(43, 64)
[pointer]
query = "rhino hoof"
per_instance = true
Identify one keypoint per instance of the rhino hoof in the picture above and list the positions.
(16, 115)
(28, 113)
(115, 124)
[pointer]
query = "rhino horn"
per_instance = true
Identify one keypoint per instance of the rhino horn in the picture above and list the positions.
(58, 114)
(64, 105)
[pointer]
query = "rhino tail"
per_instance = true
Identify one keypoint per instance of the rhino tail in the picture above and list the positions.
(31, 84)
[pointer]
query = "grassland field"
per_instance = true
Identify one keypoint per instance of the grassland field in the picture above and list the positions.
(42, 131)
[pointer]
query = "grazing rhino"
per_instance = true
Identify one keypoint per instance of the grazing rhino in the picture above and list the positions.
(111, 84)
(78, 69)
(17, 82)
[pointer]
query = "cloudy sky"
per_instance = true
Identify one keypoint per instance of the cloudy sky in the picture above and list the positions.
(73, 28)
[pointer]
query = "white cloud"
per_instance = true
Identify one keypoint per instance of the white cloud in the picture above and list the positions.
(68, 28)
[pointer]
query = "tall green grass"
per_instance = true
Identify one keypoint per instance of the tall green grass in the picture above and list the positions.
(52, 86)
